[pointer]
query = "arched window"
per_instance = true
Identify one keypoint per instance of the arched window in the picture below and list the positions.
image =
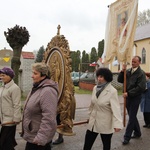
(143, 56)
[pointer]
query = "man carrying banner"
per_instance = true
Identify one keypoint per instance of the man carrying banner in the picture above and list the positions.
(135, 86)
(119, 39)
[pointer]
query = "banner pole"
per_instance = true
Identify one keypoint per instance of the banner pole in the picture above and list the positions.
(124, 90)
(75, 123)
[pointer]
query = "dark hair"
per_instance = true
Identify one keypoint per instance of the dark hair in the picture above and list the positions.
(138, 58)
(106, 73)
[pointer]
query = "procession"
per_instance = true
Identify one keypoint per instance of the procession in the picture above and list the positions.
(40, 108)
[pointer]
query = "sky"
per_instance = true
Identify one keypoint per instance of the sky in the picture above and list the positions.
(82, 21)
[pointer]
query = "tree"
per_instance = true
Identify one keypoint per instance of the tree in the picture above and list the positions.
(93, 58)
(75, 56)
(40, 53)
(143, 17)
(17, 37)
(85, 61)
(93, 55)
(100, 48)
(78, 59)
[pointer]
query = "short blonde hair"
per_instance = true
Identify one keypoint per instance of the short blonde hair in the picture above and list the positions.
(42, 68)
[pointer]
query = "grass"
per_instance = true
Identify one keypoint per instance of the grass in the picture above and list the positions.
(23, 98)
(81, 91)
(119, 91)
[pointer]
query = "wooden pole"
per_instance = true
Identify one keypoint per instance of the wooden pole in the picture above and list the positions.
(124, 113)
(61, 126)
(75, 123)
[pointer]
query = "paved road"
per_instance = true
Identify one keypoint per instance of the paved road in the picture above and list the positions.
(76, 142)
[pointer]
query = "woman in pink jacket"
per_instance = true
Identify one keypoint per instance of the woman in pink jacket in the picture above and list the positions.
(39, 115)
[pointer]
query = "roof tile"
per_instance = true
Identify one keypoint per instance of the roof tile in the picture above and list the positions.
(28, 55)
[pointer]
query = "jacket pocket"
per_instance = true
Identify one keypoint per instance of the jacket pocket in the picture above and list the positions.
(33, 127)
(30, 126)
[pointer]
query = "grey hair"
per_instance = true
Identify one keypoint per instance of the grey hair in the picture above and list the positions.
(42, 68)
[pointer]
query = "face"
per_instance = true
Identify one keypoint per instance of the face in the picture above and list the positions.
(36, 76)
(101, 79)
(135, 62)
(5, 78)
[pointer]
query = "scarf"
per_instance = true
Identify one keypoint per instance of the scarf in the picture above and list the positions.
(100, 88)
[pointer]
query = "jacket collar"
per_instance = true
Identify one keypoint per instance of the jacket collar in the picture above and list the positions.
(135, 69)
(106, 90)
(7, 85)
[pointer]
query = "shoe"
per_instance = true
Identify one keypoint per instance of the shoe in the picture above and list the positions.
(125, 142)
(135, 136)
(145, 126)
(58, 141)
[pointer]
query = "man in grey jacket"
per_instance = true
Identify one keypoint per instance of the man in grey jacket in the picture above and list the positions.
(135, 85)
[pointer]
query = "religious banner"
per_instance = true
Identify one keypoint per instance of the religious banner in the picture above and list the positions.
(120, 31)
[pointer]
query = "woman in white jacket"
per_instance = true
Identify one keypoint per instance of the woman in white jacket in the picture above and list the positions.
(10, 109)
(105, 114)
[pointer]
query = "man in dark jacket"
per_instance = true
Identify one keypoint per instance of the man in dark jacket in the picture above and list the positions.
(135, 85)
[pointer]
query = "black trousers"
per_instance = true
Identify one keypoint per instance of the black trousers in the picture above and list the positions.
(146, 116)
(132, 105)
(7, 138)
(31, 146)
(90, 139)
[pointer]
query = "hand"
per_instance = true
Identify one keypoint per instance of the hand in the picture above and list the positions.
(124, 67)
(117, 129)
(16, 122)
(125, 94)
(34, 142)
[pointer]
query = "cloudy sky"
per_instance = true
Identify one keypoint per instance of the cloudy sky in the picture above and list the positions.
(82, 21)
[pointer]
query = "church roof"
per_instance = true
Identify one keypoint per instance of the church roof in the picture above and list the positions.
(142, 32)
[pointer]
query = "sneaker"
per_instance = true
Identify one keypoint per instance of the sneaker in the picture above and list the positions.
(135, 136)
(145, 126)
